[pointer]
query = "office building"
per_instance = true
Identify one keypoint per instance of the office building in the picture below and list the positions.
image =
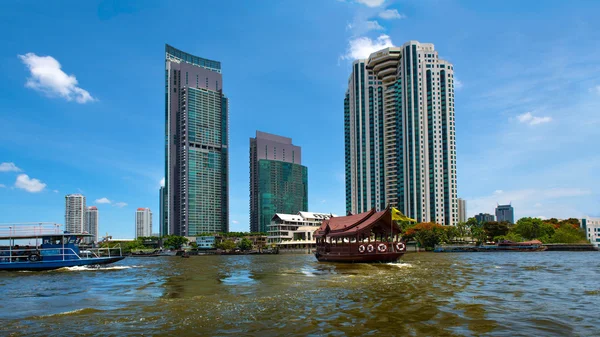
(484, 217)
(196, 141)
(163, 224)
(278, 181)
(462, 210)
(505, 213)
(399, 134)
(91, 223)
(75, 212)
(591, 227)
(143, 222)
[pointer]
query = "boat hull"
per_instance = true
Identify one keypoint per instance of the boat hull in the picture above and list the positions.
(50, 265)
(360, 258)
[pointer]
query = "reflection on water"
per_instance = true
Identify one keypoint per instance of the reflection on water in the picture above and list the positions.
(550, 293)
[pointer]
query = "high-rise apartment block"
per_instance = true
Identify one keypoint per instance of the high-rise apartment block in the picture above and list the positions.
(143, 222)
(91, 223)
(399, 133)
(278, 181)
(196, 141)
(484, 217)
(75, 212)
(505, 213)
(462, 210)
(163, 222)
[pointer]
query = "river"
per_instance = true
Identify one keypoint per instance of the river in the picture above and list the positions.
(425, 294)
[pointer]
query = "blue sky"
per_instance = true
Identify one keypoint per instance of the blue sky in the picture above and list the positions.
(82, 103)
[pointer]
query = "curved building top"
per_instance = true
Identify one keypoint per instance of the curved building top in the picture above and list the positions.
(177, 55)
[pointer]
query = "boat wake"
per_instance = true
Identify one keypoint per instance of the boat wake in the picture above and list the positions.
(96, 268)
(82, 311)
(400, 265)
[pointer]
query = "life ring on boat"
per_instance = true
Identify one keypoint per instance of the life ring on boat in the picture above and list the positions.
(382, 247)
(361, 248)
(34, 257)
(370, 248)
(400, 246)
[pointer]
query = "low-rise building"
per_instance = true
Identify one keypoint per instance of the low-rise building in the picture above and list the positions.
(295, 231)
(484, 217)
(206, 242)
(591, 226)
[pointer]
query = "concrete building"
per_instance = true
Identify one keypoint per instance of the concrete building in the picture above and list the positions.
(91, 223)
(163, 223)
(591, 226)
(196, 147)
(295, 231)
(143, 222)
(75, 212)
(484, 217)
(505, 213)
(399, 132)
(462, 210)
(278, 181)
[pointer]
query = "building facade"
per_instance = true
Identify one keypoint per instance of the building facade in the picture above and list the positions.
(505, 213)
(197, 155)
(75, 212)
(291, 227)
(462, 210)
(163, 223)
(91, 223)
(591, 226)
(278, 181)
(399, 133)
(143, 222)
(484, 217)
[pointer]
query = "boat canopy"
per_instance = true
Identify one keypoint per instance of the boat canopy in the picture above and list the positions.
(34, 230)
(359, 224)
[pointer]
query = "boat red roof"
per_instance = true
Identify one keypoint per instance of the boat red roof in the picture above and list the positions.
(354, 224)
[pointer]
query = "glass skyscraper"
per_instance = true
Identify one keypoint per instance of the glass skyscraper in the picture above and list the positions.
(400, 147)
(278, 181)
(196, 140)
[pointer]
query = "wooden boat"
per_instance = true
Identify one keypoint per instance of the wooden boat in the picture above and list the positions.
(366, 237)
(44, 247)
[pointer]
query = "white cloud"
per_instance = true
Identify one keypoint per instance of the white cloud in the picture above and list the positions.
(528, 118)
(103, 201)
(120, 204)
(390, 14)
(359, 26)
(362, 47)
(235, 222)
(29, 184)
(595, 90)
(374, 25)
(55, 191)
(2, 186)
(162, 182)
(371, 3)
(457, 84)
(9, 167)
(48, 77)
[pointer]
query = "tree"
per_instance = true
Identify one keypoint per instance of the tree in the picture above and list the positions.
(226, 244)
(427, 234)
(462, 230)
(194, 245)
(533, 228)
(245, 244)
(175, 241)
(493, 229)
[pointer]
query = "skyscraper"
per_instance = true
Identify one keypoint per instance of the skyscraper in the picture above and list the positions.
(163, 224)
(278, 181)
(143, 222)
(399, 134)
(505, 213)
(91, 223)
(197, 156)
(462, 210)
(75, 213)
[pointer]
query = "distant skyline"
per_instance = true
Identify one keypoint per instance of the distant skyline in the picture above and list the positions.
(82, 105)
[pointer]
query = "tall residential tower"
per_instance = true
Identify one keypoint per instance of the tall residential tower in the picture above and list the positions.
(75, 211)
(143, 222)
(196, 141)
(399, 134)
(91, 223)
(278, 181)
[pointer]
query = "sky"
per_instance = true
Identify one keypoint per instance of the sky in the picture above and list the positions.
(82, 97)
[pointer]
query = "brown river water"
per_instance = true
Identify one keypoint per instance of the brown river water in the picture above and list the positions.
(425, 294)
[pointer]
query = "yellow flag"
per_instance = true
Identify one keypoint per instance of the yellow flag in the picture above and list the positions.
(398, 216)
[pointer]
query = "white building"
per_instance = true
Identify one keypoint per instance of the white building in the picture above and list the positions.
(591, 226)
(295, 230)
(75, 211)
(143, 222)
(91, 223)
(462, 210)
(399, 134)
